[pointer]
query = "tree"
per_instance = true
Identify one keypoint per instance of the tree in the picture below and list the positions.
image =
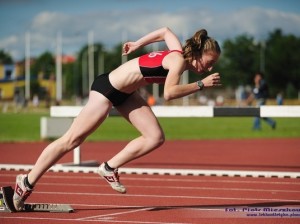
(277, 56)
(5, 57)
(69, 78)
(80, 75)
(239, 60)
(282, 63)
(45, 65)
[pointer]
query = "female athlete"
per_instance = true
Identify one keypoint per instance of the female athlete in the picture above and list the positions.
(119, 89)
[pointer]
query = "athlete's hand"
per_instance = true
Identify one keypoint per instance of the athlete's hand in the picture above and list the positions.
(129, 47)
(212, 80)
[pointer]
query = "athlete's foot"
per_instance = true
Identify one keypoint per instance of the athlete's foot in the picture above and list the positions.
(21, 192)
(112, 177)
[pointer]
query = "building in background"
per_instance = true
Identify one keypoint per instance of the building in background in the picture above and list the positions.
(12, 80)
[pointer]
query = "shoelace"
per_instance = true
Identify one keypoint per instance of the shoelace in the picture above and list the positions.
(116, 174)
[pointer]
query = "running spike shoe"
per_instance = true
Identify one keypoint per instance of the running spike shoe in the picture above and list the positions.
(21, 192)
(112, 177)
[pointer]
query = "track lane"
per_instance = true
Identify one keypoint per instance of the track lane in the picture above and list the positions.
(154, 199)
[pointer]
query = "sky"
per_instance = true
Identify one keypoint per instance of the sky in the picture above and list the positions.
(114, 21)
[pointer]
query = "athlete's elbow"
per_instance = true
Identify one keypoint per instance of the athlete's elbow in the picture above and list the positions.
(165, 30)
(168, 96)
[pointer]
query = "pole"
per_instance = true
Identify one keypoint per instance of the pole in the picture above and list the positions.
(262, 56)
(185, 78)
(84, 72)
(58, 68)
(91, 57)
(124, 39)
(101, 62)
(27, 66)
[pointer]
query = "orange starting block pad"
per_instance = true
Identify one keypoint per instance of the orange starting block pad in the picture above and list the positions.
(7, 205)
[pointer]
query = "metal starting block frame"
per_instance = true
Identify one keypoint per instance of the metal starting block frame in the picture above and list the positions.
(6, 204)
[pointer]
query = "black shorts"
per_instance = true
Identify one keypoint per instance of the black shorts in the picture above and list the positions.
(102, 85)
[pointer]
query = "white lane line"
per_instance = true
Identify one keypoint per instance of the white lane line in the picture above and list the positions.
(167, 187)
(172, 196)
(174, 179)
(156, 171)
(114, 214)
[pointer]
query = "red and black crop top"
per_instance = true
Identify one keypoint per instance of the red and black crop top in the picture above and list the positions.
(151, 66)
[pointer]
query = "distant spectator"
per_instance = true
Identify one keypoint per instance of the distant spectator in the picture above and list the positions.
(202, 100)
(241, 95)
(151, 100)
(219, 100)
(260, 94)
(18, 100)
(148, 97)
(279, 99)
(35, 101)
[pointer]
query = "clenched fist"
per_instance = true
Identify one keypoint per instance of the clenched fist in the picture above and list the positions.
(212, 80)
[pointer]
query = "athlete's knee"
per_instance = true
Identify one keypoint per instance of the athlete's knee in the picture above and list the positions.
(161, 139)
(157, 139)
(71, 142)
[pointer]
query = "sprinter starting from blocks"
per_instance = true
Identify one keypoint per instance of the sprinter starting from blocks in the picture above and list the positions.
(7, 205)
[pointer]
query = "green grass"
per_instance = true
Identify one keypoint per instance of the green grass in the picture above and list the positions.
(26, 127)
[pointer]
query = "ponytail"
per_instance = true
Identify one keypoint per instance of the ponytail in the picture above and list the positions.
(200, 42)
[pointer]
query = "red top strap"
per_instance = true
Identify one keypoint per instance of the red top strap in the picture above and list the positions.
(176, 51)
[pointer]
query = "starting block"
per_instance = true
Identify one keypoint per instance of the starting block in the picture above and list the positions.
(7, 205)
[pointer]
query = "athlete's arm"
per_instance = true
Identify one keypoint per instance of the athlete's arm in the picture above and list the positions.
(175, 90)
(172, 89)
(162, 34)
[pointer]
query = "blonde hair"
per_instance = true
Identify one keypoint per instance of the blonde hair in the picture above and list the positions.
(199, 43)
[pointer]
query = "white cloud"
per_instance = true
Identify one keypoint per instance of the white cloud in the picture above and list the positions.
(11, 40)
(256, 22)
(109, 26)
(8, 44)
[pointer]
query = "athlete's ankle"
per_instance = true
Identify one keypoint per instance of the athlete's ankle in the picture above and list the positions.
(27, 184)
(108, 167)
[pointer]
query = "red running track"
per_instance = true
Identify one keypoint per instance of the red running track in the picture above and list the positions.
(157, 199)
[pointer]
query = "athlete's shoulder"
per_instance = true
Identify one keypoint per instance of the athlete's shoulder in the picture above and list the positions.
(174, 60)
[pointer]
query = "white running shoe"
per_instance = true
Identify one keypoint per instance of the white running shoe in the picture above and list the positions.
(21, 192)
(112, 177)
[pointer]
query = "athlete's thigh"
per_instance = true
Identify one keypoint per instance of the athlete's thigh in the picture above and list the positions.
(140, 115)
(91, 116)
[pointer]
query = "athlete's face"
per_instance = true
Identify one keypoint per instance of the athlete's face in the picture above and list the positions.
(205, 62)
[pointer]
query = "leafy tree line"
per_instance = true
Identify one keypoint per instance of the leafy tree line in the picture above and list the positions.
(5, 58)
(277, 57)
